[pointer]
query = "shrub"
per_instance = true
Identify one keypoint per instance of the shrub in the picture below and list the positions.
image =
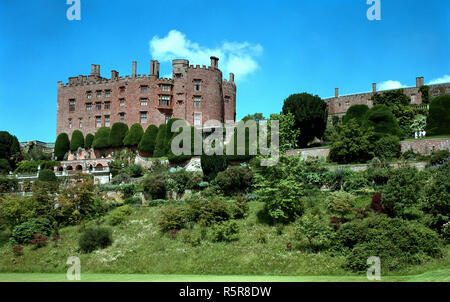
(101, 138)
(439, 157)
(208, 212)
(38, 241)
(8, 185)
(23, 233)
(376, 204)
(156, 186)
(234, 179)
(122, 178)
(17, 250)
(62, 146)
(355, 183)
(445, 231)
(316, 230)
(4, 166)
(238, 208)
(47, 175)
(136, 170)
(381, 118)
(128, 190)
(148, 140)
(117, 134)
(88, 141)
(155, 202)
(341, 204)
(133, 136)
(438, 121)
(226, 231)
(172, 218)
(94, 238)
(161, 148)
(356, 112)
(213, 164)
(179, 180)
(388, 147)
(29, 167)
(133, 200)
(119, 215)
(77, 140)
(335, 179)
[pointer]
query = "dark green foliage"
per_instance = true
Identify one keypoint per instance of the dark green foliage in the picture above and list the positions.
(101, 138)
(388, 147)
(136, 170)
(353, 144)
(62, 146)
(355, 112)
(77, 140)
(439, 157)
(4, 166)
(391, 97)
(119, 215)
(23, 233)
(249, 142)
(172, 218)
(425, 91)
(156, 186)
(9, 148)
(47, 175)
(88, 141)
(234, 179)
(94, 238)
(438, 121)
(208, 212)
(226, 231)
(161, 148)
(122, 178)
(310, 116)
(401, 194)
(117, 134)
(133, 136)
(397, 242)
(213, 164)
(128, 190)
(148, 140)
(8, 185)
(382, 120)
(28, 167)
(195, 135)
(316, 230)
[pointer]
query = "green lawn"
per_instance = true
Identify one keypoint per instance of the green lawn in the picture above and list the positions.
(433, 276)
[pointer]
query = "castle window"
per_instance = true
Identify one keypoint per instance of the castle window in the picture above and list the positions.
(107, 121)
(107, 105)
(70, 123)
(98, 121)
(122, 89)
(89, 95)
(178, 75)
(98, 106)
(164, 100)
(122, 102)
(143, 102)
(227, 99)
(197, 101)
(72, 105)
(143, 117)
(165, 87)
(143, 88)
(108, 93)
(197, 119)
(197, 85)
(99, 93)
(88, 106)
(81, 122)
(122, 116)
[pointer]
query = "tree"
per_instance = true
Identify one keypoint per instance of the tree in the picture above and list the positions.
(133, 136)
(213, 164)
(419, 123)
(256, 116)
(4, 166)
(352, 144)
(388, 147)
(357, 112)
(310, 116)
(148, 140)
(382, 120)
(438, 121)
(88, 141)
(288, 135)
(117, 134)
(425, 92)
(101, 138)
(391, 97)
(77, 140)
(46, 175)
(161, 147)
(9, 147)
(62, 146)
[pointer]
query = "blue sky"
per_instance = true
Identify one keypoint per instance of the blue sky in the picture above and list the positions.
(275, 48)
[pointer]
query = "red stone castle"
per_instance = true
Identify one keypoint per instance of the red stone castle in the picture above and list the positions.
(195, 94)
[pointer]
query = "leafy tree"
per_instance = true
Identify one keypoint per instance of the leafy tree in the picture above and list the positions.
(88, 141)
(391, 97)
(388, 147)
(77, 140)
(288, 135)
(419, 123)
(438, 121)
(9, 145)
(148, 140)
(316, 230)
(133, 136)
(382, 120)
(46, 175)
(62, 146)
(356, 112)
(117, 134)
(353, 143)
(425, 92)
(101, 138)
(161, 148)
(310, 116)
(4, 166)
(256, 116)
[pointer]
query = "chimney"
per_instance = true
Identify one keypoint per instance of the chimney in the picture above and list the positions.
(134, 69)
(95, 69)
(374, 87)
(214, 62)
(421, 81)
(417, 82)
(114, 75)
(152, 67)
(231, 77)
(336, 92)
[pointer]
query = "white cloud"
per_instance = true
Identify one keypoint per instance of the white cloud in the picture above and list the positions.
(443, 79)
(389, 84)
(236, 57)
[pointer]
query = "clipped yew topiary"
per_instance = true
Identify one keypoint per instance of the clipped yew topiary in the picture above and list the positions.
(357, 112)
(438, 121)
(148, 140)
(381, 118)
(88, 141)
(101, 138)
(62, 146)
(77, 140)
(133, 136)
(46, 175)
(161, 148)
(117, 134)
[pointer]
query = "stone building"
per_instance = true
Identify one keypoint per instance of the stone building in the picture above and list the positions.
(195, 94)
(338, 105)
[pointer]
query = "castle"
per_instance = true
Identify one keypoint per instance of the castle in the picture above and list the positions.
(195, 94)
(338, 105)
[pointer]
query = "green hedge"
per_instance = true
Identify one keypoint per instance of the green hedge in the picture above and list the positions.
(28, 167)
(357, 112)
(438, 121)
(133, 136)
(77, 140)
(62, 146)
(148, 140)
(47, 175)
(117, 134)
(381, 118)
(88, 141)
(161, 147)
(101, 138)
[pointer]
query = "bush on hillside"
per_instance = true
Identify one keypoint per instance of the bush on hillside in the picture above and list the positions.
(94, 238)
(47, 175)
(23, 233)
(155, 186)
(119, 215)
(226, 231)
(8, 185)
(388, 147)
(136, 170)
(213, 164)
(5, 167)
(117, 134)
(234, 179)
(172, 218)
